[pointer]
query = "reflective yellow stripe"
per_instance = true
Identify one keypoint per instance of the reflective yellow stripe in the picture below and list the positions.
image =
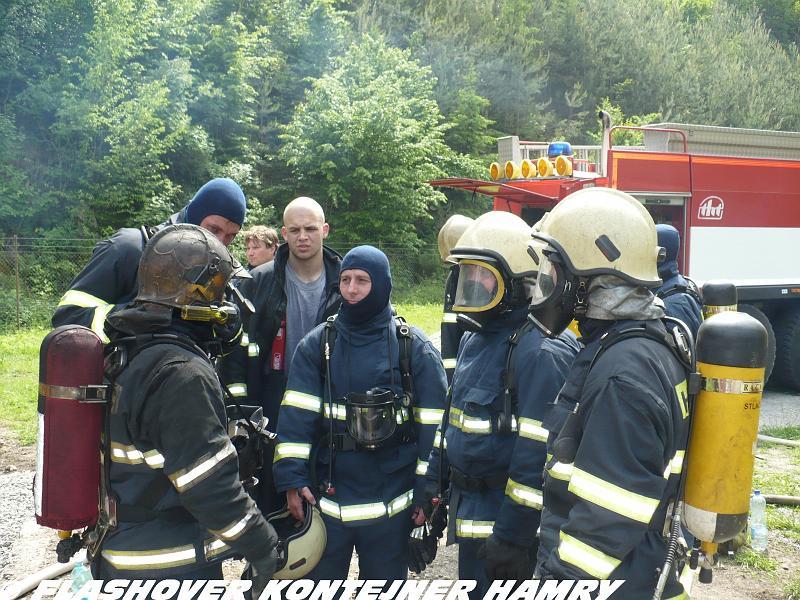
(437, 440)
(252, 350)
(244, 340)
(150, 559)
(362, 512)
(131, 455)
(562, 471)
(292, 450)
(399, 504)
(301, 400)
(428, 416)
(675, 466)
(238, 389)
(449, 317)
(422, 467)
(473, 529)
(186, 478)
(339, 411)
(532, 429)
(234, 530)
(99, 320)
(523, 494)
(469, 424)
(82, 299)
(449, 363)
(612, 497)
(586, 558)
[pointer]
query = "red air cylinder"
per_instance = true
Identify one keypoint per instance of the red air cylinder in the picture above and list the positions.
(67, 484)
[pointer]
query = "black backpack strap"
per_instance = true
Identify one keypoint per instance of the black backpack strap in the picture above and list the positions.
(510, 399)
(404, 341)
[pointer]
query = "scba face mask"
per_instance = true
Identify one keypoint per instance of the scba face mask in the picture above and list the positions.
(371, 417)
(558, 295)
(480, 287)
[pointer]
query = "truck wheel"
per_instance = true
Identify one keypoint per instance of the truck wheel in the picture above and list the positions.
(787, 362)
(758, 314)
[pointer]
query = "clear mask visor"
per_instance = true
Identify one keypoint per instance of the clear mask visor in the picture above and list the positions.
(480, 286)
(546, 282)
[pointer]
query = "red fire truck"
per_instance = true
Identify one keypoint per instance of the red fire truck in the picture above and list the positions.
(733, 194)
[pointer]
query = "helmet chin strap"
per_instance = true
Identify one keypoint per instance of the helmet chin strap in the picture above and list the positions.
(218, 315)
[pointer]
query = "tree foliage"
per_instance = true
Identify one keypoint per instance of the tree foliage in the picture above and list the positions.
(113, 112)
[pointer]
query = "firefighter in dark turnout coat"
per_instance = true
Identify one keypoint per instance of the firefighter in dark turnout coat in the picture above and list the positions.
(618, 429)
(173, 470)
(680, 296)
(109, 280)
(450, 330)
(372, 483)
(506, 375)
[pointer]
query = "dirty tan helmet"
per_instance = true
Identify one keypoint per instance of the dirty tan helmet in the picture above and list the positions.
(185, 265)
(603, 231)
(450, 232)
(300, 543)
(500, 235)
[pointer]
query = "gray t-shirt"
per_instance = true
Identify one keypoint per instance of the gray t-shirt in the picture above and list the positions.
(303, 306)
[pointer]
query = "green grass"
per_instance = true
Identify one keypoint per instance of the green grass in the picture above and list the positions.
(755, 560)
(19, 374)
(791, 432)
(792, 590)
(426, 316)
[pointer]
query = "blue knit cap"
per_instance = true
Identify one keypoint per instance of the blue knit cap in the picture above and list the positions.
(374, 262)
(221, 196)
(670, 240)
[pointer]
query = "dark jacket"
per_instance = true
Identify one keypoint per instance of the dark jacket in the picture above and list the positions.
(604, 511)
(108, 281)
(511, 507)
(170, 453)
(370, 485)
(451, 330)
(248, 371)
(678, 302)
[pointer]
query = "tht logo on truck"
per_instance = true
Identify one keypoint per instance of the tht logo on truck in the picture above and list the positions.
(711, 209)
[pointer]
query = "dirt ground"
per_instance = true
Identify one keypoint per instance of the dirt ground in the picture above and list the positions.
(34, 549)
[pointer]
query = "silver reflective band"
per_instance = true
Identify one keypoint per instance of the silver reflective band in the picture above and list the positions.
(363, 512)
(150, 559)
(523, 494)
(532, 429)
(449, 317)
(238, 389)
(428, 416)
(205, 468)
(252, 350)
(214, 548)
(82, 393)
(731, 386)
(449, 363)
(290, 450)
(133, 456)
(235, 530)
(591, 560)
(301, 400)
(562, 471)
(422, 467)
(467, 528)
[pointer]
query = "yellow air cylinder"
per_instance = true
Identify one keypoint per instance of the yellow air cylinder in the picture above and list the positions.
(544, 167)
(512, 170)
(528, 169)
(563, 166)
(731, 354)
(495, 172)
(718, 297)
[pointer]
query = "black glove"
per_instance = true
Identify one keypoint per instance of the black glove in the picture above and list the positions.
(421, 549)
(261, 571)
(438, 520)
(503, 560)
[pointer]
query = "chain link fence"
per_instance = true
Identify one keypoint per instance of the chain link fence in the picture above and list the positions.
(35, 272)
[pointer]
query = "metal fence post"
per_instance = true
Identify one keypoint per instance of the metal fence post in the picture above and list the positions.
(16, 273)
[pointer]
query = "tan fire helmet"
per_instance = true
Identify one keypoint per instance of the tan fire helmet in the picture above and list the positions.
(600, 231)
(491, 254)
(450, 232)
(185, 265)
(301, 543)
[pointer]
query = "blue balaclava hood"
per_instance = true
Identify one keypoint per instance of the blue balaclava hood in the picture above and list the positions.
(221, 196)
(374, 262)
(670, 240)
